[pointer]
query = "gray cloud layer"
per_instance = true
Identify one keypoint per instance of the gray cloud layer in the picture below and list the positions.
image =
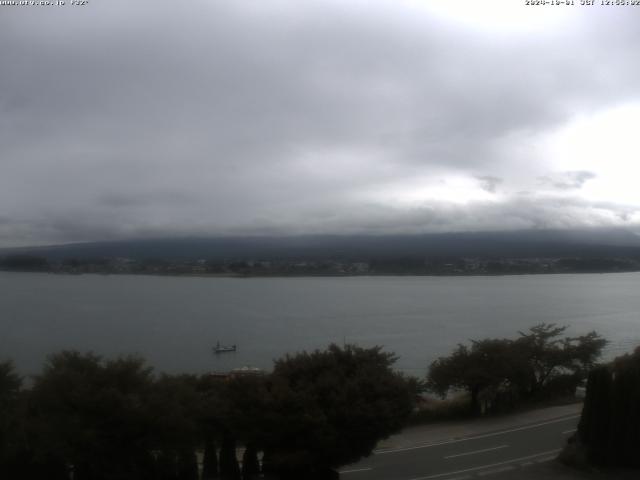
(126, 119)
(568, 180)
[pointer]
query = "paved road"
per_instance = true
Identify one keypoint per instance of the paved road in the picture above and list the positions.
(470, 457)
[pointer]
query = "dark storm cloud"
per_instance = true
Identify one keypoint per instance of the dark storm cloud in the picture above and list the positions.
(213, 117)
(489, 183)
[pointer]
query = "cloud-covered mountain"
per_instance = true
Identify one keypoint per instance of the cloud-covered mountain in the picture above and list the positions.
(558, 243)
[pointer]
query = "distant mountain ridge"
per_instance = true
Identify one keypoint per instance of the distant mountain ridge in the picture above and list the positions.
(522, 244)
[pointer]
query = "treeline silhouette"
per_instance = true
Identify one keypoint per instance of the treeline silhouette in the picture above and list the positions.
(89, 418)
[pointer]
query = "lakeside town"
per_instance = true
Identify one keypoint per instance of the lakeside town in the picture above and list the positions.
(329, 267)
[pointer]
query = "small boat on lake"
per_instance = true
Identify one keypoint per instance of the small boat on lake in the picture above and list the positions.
(223, 349)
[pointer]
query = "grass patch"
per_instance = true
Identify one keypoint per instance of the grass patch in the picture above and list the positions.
(431, 409)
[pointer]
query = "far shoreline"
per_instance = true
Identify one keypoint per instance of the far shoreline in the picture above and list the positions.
(318, 275)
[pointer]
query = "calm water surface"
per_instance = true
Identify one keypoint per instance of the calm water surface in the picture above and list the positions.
(174, 321)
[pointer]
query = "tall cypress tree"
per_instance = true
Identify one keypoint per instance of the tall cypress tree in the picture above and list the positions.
(147, 467)
(610, 422)
(187, 465)
(210, 461)
(594, 426)
(250, 463)
(624, 447)
(633, 425)
(268, 468)
(229, 468)
(167, 466)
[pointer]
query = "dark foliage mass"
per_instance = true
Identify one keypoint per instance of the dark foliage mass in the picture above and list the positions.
(114, 419)
(609, 429)
(498, 373)
(349, 398)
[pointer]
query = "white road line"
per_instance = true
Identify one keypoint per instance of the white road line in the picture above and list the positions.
(354, 470)
(476, 451)
(426, 445)
(546, 459)
(566, 432)
(493, 471)
(486, 435)
(482, 467)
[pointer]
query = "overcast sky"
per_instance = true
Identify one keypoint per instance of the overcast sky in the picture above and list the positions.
(148, 118)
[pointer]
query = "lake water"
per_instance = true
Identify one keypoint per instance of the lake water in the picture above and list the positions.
(175, 321)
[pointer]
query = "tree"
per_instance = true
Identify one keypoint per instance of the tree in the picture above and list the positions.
(229, 468)
(593, 427)
(167, 465)
(92, 415)
(609, 428)
(487, 365)
(10, 383)
(242, 405)
(250, 463)
(496, 372)
(174, 405)
(10, 389)
(549, 356)
(329, 408)
(187, 465)
(210, 461)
